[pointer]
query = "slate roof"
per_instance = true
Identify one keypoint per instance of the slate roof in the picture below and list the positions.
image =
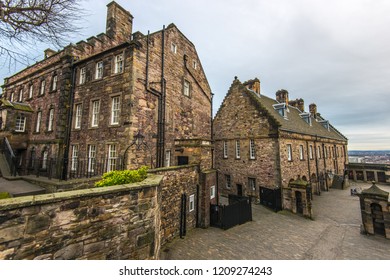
(374, 190)
(294, 122)
(16, 105)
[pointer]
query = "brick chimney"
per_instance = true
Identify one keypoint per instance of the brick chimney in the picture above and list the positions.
(298, 103)
(313, 110)
(253, 85)
(282, 96)
(119, 22)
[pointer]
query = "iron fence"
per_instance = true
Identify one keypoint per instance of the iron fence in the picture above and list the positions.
(69, 168)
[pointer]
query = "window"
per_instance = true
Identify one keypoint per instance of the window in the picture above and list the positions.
(38, 123)
(212, 192)
(311, 152)
(238, 152)
(301, 152)
(325, 152)
(281, 108)
(45, 155)
(99, 70)
(11, 97)
(306, 117)
(173, 48)
(20, 124)
(78, 112)
(119, 63)
(112, 158)
(252, 151)
(115, 108)
(30, 91)
(194, 65)
(186, 88)
(54, 83)
(91, 158)
(75, 155)
(167, 158)
(83, 76)
(51, 118)
(228, 181)
(42, 90)
(191, 205)
(289, 152)
(252, 184)
(20, 98)
(225, 149)
(95, 113)
(319, 152)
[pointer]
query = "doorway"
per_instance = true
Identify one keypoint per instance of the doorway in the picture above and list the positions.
(298, 199)
(239, 189)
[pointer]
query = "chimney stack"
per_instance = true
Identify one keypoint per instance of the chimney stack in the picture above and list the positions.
(253, 85)
(298, 103)
(119, 22)
(313, 110)
(282, 96)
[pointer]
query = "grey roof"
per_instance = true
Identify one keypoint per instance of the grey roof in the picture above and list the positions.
(374, 190)
(294, 122)
(16, 105)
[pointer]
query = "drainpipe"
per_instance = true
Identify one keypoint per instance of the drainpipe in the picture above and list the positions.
(161, 101)
(308, 166)
(316, 159)
(326, 179)
(69, 123)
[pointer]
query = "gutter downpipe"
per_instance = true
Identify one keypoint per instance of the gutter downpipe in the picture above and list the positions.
(69, 123)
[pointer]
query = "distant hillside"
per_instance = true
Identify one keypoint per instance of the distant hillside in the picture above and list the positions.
(369, 153)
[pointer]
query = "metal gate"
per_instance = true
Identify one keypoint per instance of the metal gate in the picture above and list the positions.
(239, 211)
(271, 198)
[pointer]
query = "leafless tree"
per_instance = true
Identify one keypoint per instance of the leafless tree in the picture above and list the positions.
(24, 23)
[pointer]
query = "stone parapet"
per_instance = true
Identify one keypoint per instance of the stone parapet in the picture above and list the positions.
(119, 222)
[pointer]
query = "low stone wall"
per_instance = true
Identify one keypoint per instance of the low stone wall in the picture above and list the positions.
(177, 180)
(119, 222)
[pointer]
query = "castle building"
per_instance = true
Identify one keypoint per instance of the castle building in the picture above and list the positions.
(118, 100)
(262, 145)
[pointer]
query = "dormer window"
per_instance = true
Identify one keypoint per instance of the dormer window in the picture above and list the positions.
(306, 118)
(281, 108)
(325, 124)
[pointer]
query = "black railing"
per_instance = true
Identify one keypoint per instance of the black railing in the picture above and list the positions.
(52, 168)
(9, 156)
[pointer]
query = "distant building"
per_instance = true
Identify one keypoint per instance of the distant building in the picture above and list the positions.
(262, 144)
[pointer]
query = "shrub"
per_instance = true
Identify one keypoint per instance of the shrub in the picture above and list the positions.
(4, 195)
(113, 178)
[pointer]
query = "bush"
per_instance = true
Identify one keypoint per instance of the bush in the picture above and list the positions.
(4, 195)
(123, 177)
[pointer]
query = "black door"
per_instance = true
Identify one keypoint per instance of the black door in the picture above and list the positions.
(377, 219)
(239, 189)
(298, 197)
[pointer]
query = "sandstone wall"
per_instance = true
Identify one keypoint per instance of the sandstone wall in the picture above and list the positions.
(120, 222)
(177, 181)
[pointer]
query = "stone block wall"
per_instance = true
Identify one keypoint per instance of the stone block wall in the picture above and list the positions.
(119, 222)
(177, 181)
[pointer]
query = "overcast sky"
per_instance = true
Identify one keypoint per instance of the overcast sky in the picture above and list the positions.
(335, 53)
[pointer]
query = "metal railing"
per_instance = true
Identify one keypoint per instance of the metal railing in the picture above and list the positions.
(79, 168)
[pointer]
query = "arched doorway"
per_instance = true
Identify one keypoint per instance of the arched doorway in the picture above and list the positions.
(298, 201)
(377, 219)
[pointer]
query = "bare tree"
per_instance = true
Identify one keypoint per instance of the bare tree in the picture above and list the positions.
(24, 23)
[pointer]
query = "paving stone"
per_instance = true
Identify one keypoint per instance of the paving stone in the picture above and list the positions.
(334, 233)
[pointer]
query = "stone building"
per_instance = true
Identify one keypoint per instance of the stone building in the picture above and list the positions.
(262, 144)
(120, 99)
